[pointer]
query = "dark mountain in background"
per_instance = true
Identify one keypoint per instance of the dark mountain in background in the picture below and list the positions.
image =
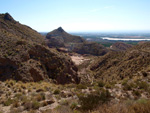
(24, 55)
(60, 38)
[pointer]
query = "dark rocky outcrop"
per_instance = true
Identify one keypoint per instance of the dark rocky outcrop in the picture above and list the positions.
(8, 17)
(24, 56)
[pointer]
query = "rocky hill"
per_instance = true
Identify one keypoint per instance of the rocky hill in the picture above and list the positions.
(125, 64)
(120, 46)
(24, 55)
(60, 38)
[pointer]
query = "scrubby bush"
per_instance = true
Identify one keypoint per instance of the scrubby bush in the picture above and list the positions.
(143, 85)
(101, 83)
(91, 101)
(127, 87)
(16, 104)
(8, 102)
(124, 82)
(108, 86)
(73, 105)
(57, 91)
(40, 97)
(136, 93)
(35, 104)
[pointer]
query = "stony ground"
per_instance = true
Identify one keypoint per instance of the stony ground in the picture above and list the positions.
(78, 59)
(44, 97)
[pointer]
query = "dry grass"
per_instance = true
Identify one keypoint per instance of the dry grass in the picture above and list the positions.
(141, 106)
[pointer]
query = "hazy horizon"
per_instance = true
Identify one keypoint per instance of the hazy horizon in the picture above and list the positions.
(102, 31)
(81, 15)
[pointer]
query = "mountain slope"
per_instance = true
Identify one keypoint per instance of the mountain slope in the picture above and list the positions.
(119, 65)
(8, 24)
(120, 46)
(24, 56)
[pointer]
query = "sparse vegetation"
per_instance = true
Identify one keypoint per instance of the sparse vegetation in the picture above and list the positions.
(81, 86)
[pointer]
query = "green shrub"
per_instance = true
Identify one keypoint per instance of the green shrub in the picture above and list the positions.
(18, 95)
(127, 87)
(64, 102)
(136, 93)
(44, 103)
(124, 82)
(35, 105)
(108, 86)
(16, 103)
(40, 97)
(143, 85)
(8, 102)
(57, 91)
(73, 105)
(101, 84)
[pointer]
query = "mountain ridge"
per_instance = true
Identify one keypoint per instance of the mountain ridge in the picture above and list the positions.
(25, 56)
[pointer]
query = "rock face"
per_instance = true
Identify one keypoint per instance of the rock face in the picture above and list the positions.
(120, 46)
(60, 38)
(8, 17)
(24, 56)
(119, 65)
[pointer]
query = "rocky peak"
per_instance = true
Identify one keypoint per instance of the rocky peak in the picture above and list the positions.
(8, 17)
(60, 29)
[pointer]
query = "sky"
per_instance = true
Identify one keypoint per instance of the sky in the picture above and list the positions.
(80, 15)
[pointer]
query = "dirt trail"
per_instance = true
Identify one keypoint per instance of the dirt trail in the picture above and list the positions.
(78, 59)
(83, 63)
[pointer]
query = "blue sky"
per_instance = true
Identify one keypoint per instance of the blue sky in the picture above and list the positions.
(80, 15)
